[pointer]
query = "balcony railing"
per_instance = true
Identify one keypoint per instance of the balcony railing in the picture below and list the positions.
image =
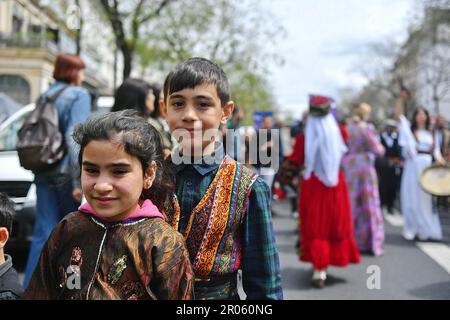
(27, 40)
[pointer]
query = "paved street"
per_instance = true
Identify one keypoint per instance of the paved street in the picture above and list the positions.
(408, 270)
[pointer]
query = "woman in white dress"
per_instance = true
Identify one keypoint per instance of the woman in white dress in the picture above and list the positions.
(421, 221)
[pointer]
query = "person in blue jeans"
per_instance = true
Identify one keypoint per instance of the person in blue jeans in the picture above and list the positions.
(58, 191)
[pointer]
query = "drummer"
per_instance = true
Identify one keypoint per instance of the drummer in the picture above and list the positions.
(442, 138)
(418, 147)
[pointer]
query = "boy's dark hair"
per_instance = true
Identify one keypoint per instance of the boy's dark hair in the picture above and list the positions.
(196, 71)
(6, 212)
(132, 94)
(156, 92)
(139, 139)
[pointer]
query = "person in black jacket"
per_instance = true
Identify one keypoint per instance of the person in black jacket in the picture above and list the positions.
(389, 167)
(10, 288)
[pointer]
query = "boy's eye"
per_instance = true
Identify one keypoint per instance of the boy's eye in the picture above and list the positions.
(204, 105)
(177, 104)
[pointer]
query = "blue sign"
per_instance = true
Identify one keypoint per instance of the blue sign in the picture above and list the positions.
(258, 117)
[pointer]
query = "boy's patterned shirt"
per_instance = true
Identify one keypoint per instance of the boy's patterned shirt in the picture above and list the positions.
(261, 274)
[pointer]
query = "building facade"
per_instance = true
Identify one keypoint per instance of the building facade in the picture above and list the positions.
(424, 62)
(33, 32)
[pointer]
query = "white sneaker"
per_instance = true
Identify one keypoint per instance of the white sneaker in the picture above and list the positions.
(408, 235)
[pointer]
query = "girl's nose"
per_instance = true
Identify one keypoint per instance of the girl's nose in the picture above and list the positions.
(103, 187)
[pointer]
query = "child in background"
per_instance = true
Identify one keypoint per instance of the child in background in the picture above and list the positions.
(10, 288)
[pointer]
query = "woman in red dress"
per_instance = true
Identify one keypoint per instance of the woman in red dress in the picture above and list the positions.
(326, 235)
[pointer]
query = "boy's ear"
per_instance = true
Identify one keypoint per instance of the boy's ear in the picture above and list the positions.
(163, 108)
(150, 175)
(4, 236)
(227, 110)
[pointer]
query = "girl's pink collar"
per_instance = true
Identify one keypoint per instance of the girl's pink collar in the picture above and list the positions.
(147, 210)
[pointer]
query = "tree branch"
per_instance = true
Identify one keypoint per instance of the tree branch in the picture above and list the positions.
(135, 23)
(155, 13)
(112, 14)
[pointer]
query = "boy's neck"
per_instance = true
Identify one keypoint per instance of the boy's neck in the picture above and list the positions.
(209, 149)
(205, 152)
(2, 256)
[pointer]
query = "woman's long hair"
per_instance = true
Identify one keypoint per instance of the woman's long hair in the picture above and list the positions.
(132, 94)
(414, 126)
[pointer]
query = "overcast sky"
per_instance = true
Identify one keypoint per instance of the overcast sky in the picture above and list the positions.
(322, 43)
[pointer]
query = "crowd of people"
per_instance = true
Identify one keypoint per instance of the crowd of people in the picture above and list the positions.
(165, 198)
(378, 169)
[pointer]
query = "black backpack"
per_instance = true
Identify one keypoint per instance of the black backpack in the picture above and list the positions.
(41, 144)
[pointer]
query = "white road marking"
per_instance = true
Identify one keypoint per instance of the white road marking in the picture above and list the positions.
(438, 252)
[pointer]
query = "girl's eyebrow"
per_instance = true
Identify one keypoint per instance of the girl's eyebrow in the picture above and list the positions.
(117, 164)
(87, 163)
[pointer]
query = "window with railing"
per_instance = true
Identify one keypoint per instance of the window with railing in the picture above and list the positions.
(16, 87)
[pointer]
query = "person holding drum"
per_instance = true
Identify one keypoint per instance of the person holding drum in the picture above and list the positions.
(421, 222)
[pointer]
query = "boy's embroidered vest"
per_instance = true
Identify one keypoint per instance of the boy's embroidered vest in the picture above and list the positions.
(213, 234)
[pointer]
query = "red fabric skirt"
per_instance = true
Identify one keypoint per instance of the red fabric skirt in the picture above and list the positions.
(326, 227)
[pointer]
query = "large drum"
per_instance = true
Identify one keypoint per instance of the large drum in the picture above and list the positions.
(435, 180)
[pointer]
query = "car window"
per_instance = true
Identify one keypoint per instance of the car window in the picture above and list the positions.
(103, 105)
(8, 136)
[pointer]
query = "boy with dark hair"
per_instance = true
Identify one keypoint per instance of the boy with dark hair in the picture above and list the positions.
(224, 211)
(10, 288)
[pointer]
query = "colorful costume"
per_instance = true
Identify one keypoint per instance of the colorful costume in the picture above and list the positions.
(88, 258)
(224, 215)
(326, 228)
(362, 183)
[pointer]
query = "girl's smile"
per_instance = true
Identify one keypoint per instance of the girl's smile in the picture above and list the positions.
(104, 200)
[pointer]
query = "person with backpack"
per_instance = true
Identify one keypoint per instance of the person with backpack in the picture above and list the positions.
(58, 187)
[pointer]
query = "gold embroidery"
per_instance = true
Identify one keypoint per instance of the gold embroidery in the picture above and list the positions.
(117, 269)
(63, 277)
(219, 223)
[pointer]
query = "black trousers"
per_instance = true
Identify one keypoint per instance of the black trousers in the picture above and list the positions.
(389, 179)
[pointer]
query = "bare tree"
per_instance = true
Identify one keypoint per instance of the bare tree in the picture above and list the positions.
(434, 61)
(127, 19)
(422, 63)
(238, 35)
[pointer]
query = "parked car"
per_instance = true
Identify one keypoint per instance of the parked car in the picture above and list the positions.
(103, 104)
(8, 106)
(16, 181)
